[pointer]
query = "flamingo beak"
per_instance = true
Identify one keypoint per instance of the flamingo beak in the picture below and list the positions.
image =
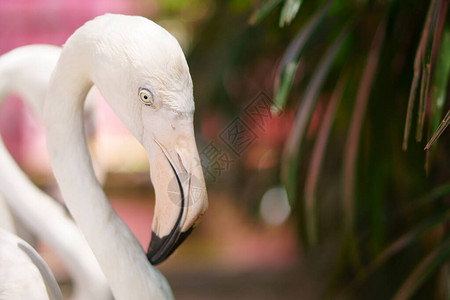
(180, 191)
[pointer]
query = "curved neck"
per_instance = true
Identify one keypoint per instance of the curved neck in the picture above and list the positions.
(119, 253)
(42, 215)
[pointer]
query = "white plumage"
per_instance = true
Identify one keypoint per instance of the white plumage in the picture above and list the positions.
(23, 273)
(127, 58)
(26, 72)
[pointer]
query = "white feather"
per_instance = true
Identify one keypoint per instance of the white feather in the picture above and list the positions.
(23, 273)
(26, 72)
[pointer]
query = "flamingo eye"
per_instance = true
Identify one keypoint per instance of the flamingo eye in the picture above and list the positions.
(146, 96)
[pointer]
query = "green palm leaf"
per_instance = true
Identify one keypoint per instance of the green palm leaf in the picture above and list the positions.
(429, 265)
(445, 122)
(439, 90)
(289, 11)
(421, 75)
(315, 166)
(352, 144)
(263, 10)
(396, 247)
(289, 62)
(293, 147)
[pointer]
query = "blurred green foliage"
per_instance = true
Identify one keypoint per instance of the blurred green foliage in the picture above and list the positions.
(384, 45)
(368, 85)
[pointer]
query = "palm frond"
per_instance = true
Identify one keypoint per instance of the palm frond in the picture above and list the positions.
(291, 57)
(440, 82)
(430, 198)
(289, 11)
(445, 122)
(429, 56)
(303, 115)
(263, 10)
(396, 247)
(315, 166)
(352, 143)
(429, 265)
(421, 76)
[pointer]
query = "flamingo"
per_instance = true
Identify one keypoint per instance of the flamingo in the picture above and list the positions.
(142, 73)
(23, 273)
(26, 71)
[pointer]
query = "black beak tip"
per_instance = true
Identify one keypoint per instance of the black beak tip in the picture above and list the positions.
(161, 248)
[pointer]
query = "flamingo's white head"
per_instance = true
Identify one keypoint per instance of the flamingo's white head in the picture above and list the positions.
(141, 71)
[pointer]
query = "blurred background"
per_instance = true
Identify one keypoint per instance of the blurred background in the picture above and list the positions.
(311, 122)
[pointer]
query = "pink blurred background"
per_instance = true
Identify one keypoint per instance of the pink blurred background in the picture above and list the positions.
(24, 22)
